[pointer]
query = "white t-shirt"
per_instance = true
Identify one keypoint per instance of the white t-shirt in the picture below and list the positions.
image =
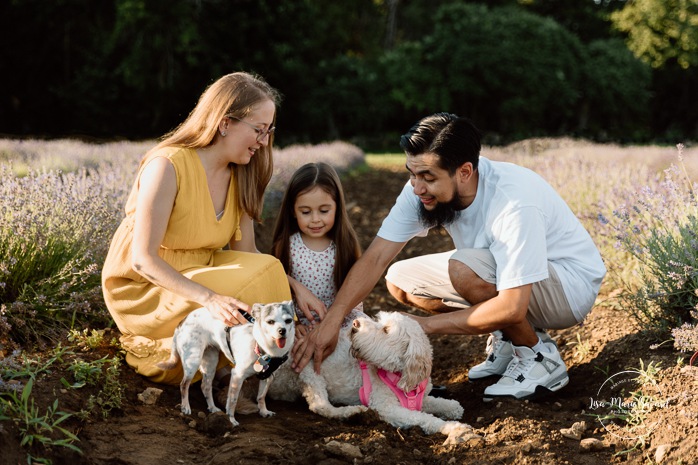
(524, 223)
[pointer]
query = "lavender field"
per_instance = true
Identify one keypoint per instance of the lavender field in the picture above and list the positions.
(60, 202)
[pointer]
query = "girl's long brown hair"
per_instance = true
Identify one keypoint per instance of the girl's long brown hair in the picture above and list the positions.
(325, 177)
(234, 94)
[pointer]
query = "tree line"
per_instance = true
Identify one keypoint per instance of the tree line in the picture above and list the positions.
(359, 70)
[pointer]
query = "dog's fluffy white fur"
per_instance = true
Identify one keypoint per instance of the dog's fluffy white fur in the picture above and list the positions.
(200, 338)
(393, 342)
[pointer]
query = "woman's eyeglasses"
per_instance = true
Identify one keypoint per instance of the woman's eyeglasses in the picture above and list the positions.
(261, 133)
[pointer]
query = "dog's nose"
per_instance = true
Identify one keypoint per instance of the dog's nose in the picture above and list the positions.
(282, 331)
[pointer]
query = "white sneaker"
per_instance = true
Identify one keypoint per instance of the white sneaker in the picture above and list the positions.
(530, 374)
(499, 354)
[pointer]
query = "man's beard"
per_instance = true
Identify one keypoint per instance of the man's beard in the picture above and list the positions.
(442, 214)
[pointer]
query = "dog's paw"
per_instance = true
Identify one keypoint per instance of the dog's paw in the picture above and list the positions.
(460, 433)
(233, 421)
(186, 410)
(456, 411)
(267, 413)
(214, 409)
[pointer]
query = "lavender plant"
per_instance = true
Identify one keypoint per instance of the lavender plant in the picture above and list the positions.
(686, 336)
(658, 228)
(54, 234)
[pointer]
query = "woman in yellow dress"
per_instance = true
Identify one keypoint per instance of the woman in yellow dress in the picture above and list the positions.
(197, 191)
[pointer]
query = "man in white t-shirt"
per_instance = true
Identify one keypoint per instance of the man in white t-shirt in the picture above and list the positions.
(523, 262)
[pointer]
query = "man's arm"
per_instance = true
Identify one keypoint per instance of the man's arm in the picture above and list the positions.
(361, 279)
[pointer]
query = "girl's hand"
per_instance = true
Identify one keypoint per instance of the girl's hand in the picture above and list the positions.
(307, 302)
(302, 331)
(227, 309)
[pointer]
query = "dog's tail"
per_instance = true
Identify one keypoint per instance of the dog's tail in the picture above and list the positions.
(172, 362)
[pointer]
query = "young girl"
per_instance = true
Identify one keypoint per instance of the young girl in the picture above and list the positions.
(315, 241)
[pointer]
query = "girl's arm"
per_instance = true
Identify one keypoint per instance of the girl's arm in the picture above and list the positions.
(361, 279)
(156, 196)
(306, 300)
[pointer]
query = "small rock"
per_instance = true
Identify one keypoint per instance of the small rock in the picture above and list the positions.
(526, 448)
(660, 453)
(150, 395)
(480, 419)
(575, 431)
(192, 424)
(557, 406)
(217, 424)
(201, 415)
(591, 444)
(464, 436)
(344, 449)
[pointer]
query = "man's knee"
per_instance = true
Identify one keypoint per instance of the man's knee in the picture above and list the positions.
(396, 292)
(468, 284)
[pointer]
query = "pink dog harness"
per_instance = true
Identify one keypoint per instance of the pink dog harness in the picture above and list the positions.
(410, 400)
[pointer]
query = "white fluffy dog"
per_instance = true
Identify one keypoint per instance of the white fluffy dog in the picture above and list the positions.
(393, 343)
(258, 347)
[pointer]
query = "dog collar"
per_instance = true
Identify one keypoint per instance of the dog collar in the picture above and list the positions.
(247, 316)
(266, 365)
(410, 400)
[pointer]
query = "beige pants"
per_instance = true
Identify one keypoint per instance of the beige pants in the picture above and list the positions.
(427, 277)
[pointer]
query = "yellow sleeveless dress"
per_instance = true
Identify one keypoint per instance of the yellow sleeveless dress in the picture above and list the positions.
(146, 314)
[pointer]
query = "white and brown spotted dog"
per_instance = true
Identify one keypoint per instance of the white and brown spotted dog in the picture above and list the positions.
(258, 347)
(393, 346)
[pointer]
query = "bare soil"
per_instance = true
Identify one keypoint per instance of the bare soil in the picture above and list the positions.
(514, 432)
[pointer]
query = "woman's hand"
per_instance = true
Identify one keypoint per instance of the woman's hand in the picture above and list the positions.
(227, 309)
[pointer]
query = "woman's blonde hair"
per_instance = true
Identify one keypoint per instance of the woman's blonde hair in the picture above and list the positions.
(234, 94)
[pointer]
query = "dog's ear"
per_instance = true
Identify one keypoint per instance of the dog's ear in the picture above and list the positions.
(417, 358)
(257, 311)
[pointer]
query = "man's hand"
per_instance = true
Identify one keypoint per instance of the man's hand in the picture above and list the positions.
(318, 344)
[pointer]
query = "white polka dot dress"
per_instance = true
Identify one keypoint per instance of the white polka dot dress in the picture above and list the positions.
(315, 270)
